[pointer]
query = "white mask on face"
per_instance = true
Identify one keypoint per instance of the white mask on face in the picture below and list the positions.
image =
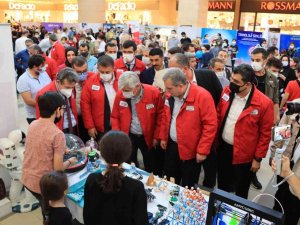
(220, 74)
(106, 77)
(128, 94)
(113, 56)
(128, 58)
(66, 92)
(273, 73)
(257, 66)
(146, 60)
(173, 35)
(285, 63)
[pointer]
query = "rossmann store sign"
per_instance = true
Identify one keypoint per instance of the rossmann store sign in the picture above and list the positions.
(290, 7)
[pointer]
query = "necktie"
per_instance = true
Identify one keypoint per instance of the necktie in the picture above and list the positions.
(128, 67)
(69, 116)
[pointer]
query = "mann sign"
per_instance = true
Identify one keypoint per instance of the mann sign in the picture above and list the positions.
(221, 6)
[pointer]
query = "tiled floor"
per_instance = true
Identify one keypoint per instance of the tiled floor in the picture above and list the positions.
(35, 217)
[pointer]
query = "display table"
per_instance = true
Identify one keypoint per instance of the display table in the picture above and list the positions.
(77, 180)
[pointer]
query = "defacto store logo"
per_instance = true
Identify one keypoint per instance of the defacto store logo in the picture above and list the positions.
(121, 6)
(280, 6)
(70, 7)
(21, 6)
(220, 5)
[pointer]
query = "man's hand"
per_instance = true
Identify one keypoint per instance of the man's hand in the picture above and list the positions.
(73, 160)
(93, 132)
(155, 142)
(163, 145)
(255, 166)
(282, 76)
(200, 158)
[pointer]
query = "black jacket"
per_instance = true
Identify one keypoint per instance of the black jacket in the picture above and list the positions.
(147, 76)
(209, 81)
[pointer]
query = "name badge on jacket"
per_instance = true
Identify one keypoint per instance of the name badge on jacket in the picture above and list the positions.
(123, 104)
(190, 108)
(225, 97)
(149, 106)
(95, 87)
(254, 112)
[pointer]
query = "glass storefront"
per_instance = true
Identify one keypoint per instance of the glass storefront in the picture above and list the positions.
(117, 17)
(217, 20)
(288, 23)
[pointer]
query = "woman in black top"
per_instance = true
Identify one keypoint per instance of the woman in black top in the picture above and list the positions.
(54, 187)
(286, 75)
(111, 198)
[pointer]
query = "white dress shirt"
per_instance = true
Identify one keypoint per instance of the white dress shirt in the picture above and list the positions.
(237, 106)
(177, 106)
(110, 92)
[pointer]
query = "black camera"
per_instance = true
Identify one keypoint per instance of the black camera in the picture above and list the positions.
(293, 107)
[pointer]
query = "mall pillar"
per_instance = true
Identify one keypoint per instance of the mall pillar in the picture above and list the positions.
(91, 11)
(166, 14)
(9, 106)
(237, 15)
(192, 12)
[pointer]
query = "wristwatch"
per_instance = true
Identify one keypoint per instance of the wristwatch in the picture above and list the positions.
(257, 159)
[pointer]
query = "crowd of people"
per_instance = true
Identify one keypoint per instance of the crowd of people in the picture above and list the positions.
(183, 112)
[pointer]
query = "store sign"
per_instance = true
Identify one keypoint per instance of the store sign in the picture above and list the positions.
(70, 7)
(291, 7)
(221, 6)
(21, 6)
(121, 6)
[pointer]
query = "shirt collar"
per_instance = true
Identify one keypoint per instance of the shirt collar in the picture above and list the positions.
(244, 98)
(27, 71)
(194, 77)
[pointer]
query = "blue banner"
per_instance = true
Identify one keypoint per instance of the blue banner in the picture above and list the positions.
(246, 42)
(208, 35)
(286, 40)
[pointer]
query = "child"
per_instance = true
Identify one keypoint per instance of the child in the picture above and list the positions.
(54, 187)
(111, 197)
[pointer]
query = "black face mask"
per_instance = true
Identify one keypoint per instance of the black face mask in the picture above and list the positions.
(57, 119)
(234, 88)
(84, 54)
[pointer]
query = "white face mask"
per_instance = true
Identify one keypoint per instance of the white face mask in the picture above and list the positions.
(173, 35)
(220, 74)
(146, 60)
(43, 69)
(128, 94)
(113, 55)
(257, 66)
(273, 73)
(128, 58)
(106, 77)
(66, 92)
(285, 63)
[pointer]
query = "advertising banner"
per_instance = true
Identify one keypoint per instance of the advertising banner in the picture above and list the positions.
(51, 26)
(135, 30)
(246, 42)
(212, 34)
(286, 40)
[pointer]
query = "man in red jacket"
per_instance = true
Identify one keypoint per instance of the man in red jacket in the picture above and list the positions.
(51, 67)
(64, 85)
(57, 51)
(97, 98)
(128, 62)
(245, 117)
(137, 111)
(188, 127)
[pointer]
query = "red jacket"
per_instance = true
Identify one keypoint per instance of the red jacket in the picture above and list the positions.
(92, 102)
(196, 123)
(58, 53)
(52, 87)
(120, 66)
(51, 68)
(253, 128)
(149, 110)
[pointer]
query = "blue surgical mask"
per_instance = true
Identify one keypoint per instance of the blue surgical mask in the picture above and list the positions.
(82, 76)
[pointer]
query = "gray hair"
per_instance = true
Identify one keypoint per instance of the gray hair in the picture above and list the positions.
(213, 62)
(190, 55)
(28, 40)
(181, 59)
(142, 47)
(176, 75)
(67, 74)
(36, 48)
(53, 37)
(128, 79)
